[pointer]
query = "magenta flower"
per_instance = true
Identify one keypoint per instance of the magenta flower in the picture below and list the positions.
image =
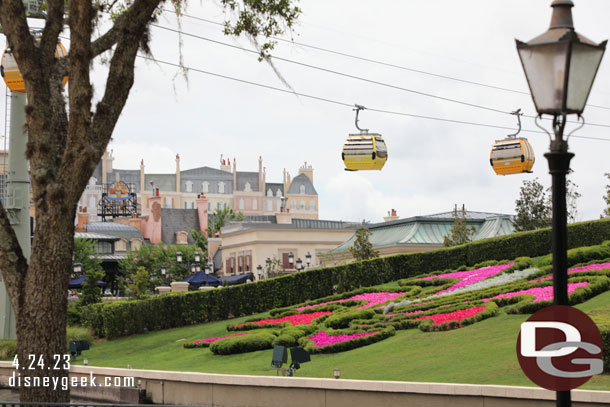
(469, 277)
(540, 293)
(297, 319)
(590, 267)
(208, 340)
(372, 299)
(323, 339)
(453, 316)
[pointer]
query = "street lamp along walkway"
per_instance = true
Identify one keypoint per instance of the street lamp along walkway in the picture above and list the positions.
(560, 66)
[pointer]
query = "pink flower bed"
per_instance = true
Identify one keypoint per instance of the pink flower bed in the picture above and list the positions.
(453, 316)
(208, 340)
(470, 276)
(297, 319)
(540, 293)
(323, 339)
(589, 267)
(372, 299)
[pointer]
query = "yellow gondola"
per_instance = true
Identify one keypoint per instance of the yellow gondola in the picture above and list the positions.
(364, 151)
(513, 155)
(10, 71)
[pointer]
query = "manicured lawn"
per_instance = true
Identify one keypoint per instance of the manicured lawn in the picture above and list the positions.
(483, 353)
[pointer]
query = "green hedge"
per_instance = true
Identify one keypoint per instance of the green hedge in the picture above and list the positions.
(180, 309)
(243, 344)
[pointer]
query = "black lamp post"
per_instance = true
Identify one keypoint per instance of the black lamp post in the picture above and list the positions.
(259, 271)
(308, 259)
(299, 264)
(560, 66)
(194, 267)
(77, 268)
(291, 260)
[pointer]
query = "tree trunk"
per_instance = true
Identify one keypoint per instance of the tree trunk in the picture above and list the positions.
(41, 320)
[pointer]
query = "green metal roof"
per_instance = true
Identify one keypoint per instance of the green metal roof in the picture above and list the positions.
(430, 230)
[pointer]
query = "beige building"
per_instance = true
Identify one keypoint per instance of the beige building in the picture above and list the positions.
(246, 245)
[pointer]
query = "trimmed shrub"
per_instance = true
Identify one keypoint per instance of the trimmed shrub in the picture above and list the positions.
(601, 317)
(242, 344)
(342, 320)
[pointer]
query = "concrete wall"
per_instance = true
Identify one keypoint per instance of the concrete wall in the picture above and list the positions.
(270, 391)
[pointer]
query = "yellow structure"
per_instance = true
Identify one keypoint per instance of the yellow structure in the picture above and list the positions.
(12, 75)
(512, 156)
(364, 151)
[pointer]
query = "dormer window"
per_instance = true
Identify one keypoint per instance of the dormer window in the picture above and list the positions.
(302, 189)
(188, 185)
(248, 187)
(269, 192)
(181, 238)
(205, 186)
(278, 193)
(221, 187)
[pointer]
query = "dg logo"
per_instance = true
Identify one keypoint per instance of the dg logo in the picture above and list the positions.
(560, 348)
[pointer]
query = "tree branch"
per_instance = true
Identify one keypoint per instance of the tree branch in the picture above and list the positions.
(53, 26)
(12, 262)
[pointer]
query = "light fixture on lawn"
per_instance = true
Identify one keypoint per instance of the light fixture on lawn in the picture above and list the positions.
(337, 373)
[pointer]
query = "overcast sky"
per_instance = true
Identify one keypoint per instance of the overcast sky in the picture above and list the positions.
(432, 165)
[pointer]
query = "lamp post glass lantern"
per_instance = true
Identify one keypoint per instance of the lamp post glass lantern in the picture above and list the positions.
(560, 66)
(259, 271)
(308, 259)
(291, 259)
(77, 268)
(299, 264)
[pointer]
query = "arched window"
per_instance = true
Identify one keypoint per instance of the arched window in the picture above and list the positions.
(278, 193)
(188, 185)
(255, 204)
(120, 245)
(241, 204)
(269, 192)
(205, 186)
(302, 189)
(248, 187)
(136, 244)
(221, 187)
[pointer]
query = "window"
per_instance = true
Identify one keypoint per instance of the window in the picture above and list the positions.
(302, 205)
(248, 187)
(218, 205)
(312, 205)
(269, 205)
(188, 185)
(103, 247)
(189, 205)
(255, 204)
(205, 186)
(279, 205)
(136, 244)
(221, 187)
(278, 193)
(302, 189)
(241, 204)
(293, 204)
(120, 245)
(181, 238)
(209, 206)
(269, 192)
(168, 202)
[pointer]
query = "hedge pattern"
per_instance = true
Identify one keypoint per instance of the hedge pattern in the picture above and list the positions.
(173, 310)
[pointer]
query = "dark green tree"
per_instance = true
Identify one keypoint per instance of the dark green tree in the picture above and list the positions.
(460, 232)
(201, 241)
(84, 253)
(362, 248)
(67, 135)
(91, 292)
(533, 209)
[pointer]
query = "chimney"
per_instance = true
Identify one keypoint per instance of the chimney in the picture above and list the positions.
(307, 170)
(177, 172)
(234, 176)
(202, 212)
(261, 182)
(142, 178)
(391, 216)
(83, 220)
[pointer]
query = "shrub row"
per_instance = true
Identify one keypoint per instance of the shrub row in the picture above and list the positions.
(251, 342)
(173, 310)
